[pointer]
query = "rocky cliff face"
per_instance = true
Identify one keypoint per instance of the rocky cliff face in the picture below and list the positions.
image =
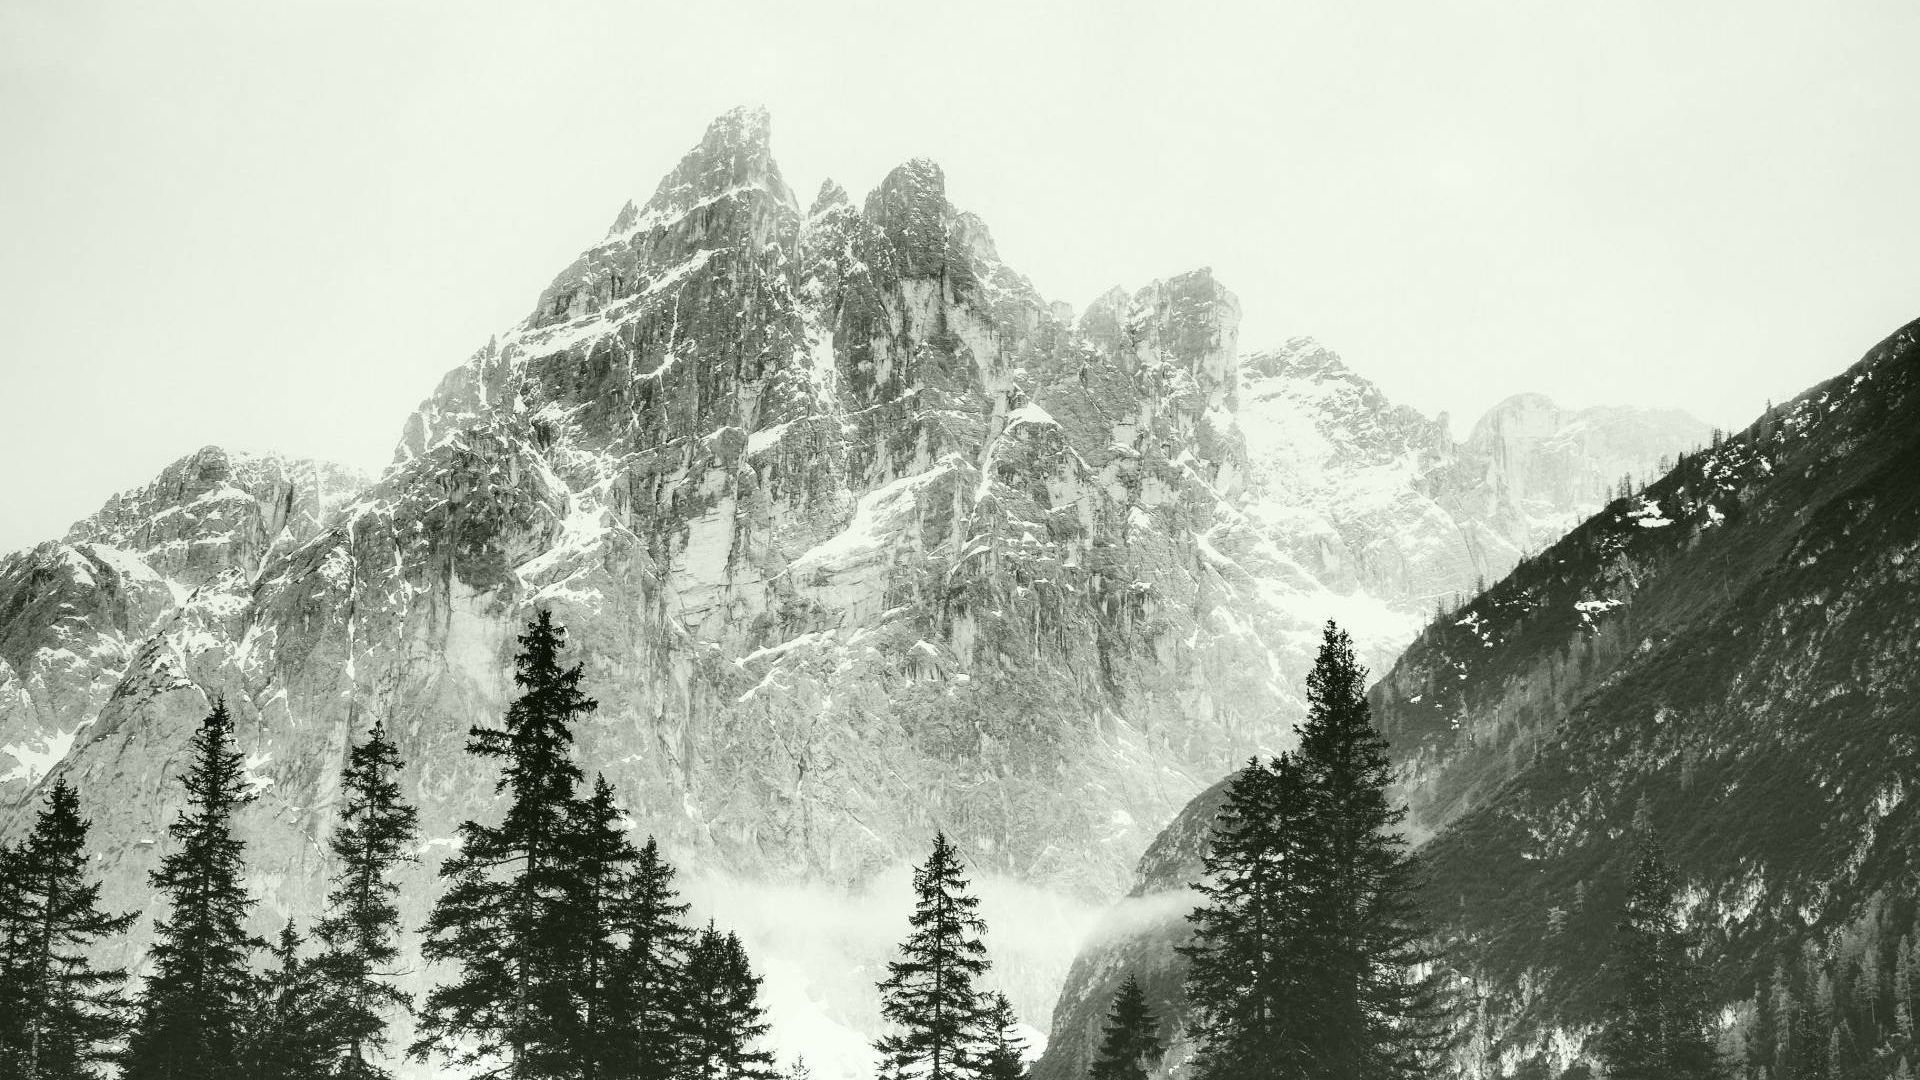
(1535, 470)
(857, 536)
(1713, 658)
(74, 614)
(1385, 516)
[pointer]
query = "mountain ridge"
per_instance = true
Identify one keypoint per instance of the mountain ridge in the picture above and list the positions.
(1633, 675)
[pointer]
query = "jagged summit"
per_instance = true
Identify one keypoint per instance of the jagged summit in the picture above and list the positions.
(219, 509)
(831, 197)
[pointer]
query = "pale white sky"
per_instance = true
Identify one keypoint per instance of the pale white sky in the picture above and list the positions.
(276, 225)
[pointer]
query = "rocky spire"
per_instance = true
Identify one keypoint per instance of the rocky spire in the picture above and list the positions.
(726, 193)
(910, 208)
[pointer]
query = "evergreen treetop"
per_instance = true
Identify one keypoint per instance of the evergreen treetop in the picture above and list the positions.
(193, 1004)
(1006, 1055)
(506, 915)
(359, 931)
(60, 1010)
(725, 1020)
(1659, 1027)
(1378, 1015)
(1130, 1047)
(1255, 948)
(928, 994)
(291, 1028)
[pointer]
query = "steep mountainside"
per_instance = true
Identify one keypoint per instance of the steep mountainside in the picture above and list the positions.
(1379, 504)
(1721, 658)
(857, 536)
(75, 613)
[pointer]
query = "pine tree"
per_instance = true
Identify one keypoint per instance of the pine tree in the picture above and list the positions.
(14, 967)
(1006, 1057)
(928, 993)
(1376, 1015)
(1253, 946)
(289, 1032)
(726, 1021)
(192, 1006)
(1658, 1029)
(61, 1008)
(603, 862)
(503, 917)
(649, 977)
(358, 932)
(1130, 1047)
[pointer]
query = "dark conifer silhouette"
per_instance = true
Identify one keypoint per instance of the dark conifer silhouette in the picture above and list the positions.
(290, 1029)
(597, 914)
(13, 953)
(726, 1021)
(1373, 1016)
(504, 917)
(1308, 948)
(59, 1010)
(1006, 1053)
(1130, 1046)
(1659, 1025)
(650, 970)
(928, 994)
(359, 931)
(192, 1007)
(1255, 949)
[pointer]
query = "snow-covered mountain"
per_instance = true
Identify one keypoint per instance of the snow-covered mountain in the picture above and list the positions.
(858, 537)
(1389, 517)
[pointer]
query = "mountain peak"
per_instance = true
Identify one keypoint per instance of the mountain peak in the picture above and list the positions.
(734, 157)
(740, 126)
(910, 207)
(830, 197)
(912, 185)
(1299, 356)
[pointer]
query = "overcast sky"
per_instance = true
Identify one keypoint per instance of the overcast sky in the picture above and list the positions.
(276, 225)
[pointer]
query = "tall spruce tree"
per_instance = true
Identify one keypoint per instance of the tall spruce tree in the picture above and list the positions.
(358, 933)
(504, 917)
(13, 955)
(61, 1008)
(650, 972)
(1130, 1046)
(1255, 949)
(597, 913)
(1375, 1014)
(1006, 1053)
(1659, 1025)
(290, 1027)
(192, 1007)
(929, 993)
(725, 1020)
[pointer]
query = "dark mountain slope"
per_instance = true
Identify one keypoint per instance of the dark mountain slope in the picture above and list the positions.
(1722, 657)
(1726, 658)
